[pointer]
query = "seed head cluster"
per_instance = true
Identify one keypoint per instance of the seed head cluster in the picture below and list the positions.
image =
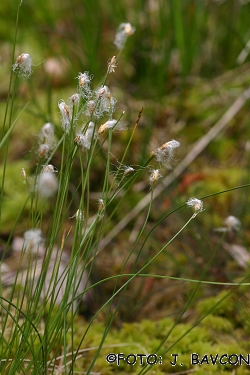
(93, 105)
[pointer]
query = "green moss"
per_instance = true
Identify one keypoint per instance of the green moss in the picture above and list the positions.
(214, 323)
(224, 307)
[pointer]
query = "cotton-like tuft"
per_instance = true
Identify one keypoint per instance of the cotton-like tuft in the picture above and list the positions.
(32, 239)
(196, 203)
(112, 124)
(66, 115)
(123, 32)
(47, 184)
(154, 175)
(165, 153)
(23, 65)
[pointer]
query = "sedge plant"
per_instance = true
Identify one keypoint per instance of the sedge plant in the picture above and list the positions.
(39, 305)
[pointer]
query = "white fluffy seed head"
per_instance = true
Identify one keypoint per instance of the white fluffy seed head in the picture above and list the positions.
(232, 223)
(128, 171)
(32, 239)
(79, 215)
(47, 134)
(84, 81)
(44, 150)
(47, 184)
(74, 99)
(154, 175)
(66, 115)
(49, 168)
(84, 140)
(23, 65)
(48, 130)
(102, 91)
(90, 131)
(123, 32)
(170, 145)
(79, 139)
(165, 153)
(104, 102)
(92, 110)
(112, 124)
(196, 203)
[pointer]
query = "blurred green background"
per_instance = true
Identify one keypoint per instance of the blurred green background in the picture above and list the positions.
(173, 39)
